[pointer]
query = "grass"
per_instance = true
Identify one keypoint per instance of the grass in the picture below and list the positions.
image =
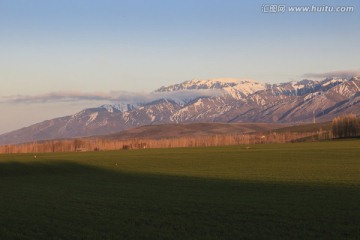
(284, 191)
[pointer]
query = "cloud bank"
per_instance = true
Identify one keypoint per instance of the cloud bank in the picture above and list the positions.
(112, 97)
(334, 74)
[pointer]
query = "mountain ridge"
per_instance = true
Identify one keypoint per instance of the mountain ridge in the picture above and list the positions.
(215, 100)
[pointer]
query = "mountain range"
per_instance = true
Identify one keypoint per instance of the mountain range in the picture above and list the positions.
(213, 100)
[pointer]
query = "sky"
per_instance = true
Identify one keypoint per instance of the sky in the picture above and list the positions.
(88, 47)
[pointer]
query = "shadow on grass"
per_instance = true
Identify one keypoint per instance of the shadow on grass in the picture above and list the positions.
(63, 200)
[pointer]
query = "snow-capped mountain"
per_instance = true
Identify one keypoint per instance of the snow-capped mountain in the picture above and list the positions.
(121, 107)
(236, 88)
(214, 100)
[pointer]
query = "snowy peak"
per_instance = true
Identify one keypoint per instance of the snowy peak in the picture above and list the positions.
(111, 107)
(331, 82)
(236, 88)
(118, 107)
(346, 89)
(306, 87)
(292, 88)
(216, 83)
(248, 87)
(303, 84)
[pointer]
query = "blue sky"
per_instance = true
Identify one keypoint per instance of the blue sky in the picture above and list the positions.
(102, 46)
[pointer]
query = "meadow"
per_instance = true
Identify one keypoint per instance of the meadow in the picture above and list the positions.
(268, 191)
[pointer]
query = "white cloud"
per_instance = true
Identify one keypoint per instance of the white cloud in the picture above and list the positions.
(334, 74)
(113, 97)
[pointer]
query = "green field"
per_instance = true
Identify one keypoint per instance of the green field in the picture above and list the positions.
(284, 191)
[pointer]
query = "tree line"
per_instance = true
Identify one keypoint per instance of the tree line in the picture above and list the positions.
(346, 126)
(104, 144)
